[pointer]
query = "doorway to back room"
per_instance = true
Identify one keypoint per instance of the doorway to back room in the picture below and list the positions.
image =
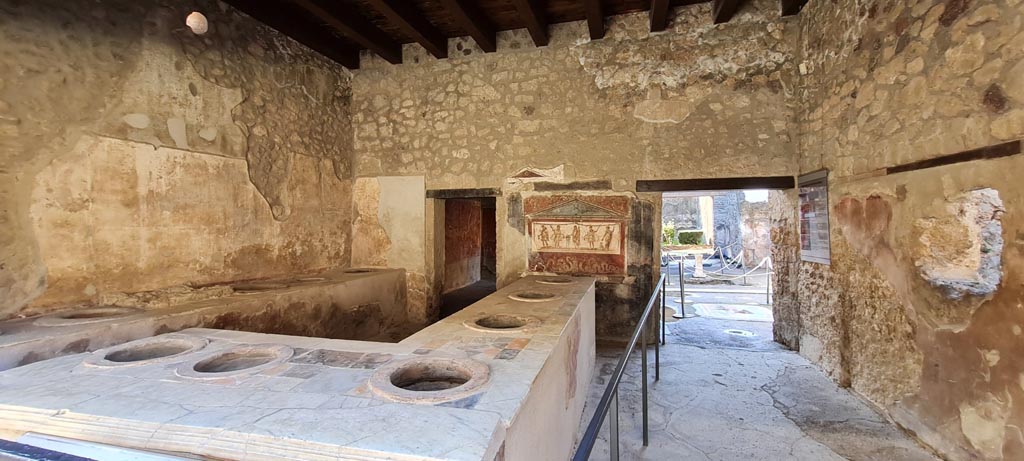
(470, 252)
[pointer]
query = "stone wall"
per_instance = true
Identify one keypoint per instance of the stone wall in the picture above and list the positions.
(755, 226)
(699, 100)
(683, 212)
(728, 223)
(136, 154)
(920, 309)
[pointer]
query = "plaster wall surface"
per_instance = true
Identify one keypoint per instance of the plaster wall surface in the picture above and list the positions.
(390, 229)
(887, 83)
(136, 154)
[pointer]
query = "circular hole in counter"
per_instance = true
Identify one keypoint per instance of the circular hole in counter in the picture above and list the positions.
(148, 352)
(256, 287)
(233, 361)
(426, 377)
(533, 296)
(503, 323)
(240, 360)
(555, 280)
(429, 380)
(145, 351)
(87, 315)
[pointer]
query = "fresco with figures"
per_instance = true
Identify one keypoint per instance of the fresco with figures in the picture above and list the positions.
(577, 234)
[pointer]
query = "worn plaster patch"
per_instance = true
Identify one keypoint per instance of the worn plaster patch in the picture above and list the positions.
(656, 109)
(208, 133)
(137, 121)
(983, 423)
(960, 253)
(370, 242)
(176, 128)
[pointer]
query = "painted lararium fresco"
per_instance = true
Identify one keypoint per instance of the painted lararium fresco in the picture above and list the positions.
(577, 234)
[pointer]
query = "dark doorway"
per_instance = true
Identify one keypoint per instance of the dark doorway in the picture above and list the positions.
(470, 252)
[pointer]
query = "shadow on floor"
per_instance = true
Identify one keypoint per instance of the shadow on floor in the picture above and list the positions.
(456, 300)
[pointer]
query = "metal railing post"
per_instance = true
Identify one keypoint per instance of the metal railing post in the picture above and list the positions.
(613, 428)
(610, 398)
(643, 386)
(659, 324)
(682, 292)
(664, 304)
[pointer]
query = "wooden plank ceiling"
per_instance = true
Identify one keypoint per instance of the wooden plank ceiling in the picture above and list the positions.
(339, 29)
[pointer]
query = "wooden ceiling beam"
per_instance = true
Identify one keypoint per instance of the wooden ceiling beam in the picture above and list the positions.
(659, 15)
(532, 15)
(472, 20)
(292, 26)
(595, 18)
(723, 10)
(350, 23)
(792, 7)
(404, 15)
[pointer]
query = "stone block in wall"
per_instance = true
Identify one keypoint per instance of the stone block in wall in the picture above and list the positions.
(960, 253)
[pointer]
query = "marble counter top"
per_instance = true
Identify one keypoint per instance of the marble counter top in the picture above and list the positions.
(314, 404)
(28, 340)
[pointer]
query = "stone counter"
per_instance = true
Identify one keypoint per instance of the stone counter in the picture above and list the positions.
(313, 398)
(343, 303)
(322, 399)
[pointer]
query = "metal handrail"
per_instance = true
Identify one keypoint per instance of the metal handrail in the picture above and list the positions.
(610, 398)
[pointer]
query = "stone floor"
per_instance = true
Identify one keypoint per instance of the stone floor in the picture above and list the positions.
(728, 397)
(456, 300)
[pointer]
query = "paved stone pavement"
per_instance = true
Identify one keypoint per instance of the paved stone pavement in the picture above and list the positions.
(729, 397)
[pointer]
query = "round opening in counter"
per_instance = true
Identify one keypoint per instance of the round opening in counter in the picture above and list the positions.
(311, 279)
(149, 352)
(87, 315)
(157, 349)
(425, 377)
(239, 360)
(533, 296)
(429, 380)
(233, 361)
(555, 280)
(256, 287)
(502, 323)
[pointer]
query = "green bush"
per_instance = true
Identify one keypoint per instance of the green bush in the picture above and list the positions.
(668, 233)
(691, 238)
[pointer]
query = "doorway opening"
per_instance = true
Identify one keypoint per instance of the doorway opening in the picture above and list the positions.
(716, 248)
(470, 252)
